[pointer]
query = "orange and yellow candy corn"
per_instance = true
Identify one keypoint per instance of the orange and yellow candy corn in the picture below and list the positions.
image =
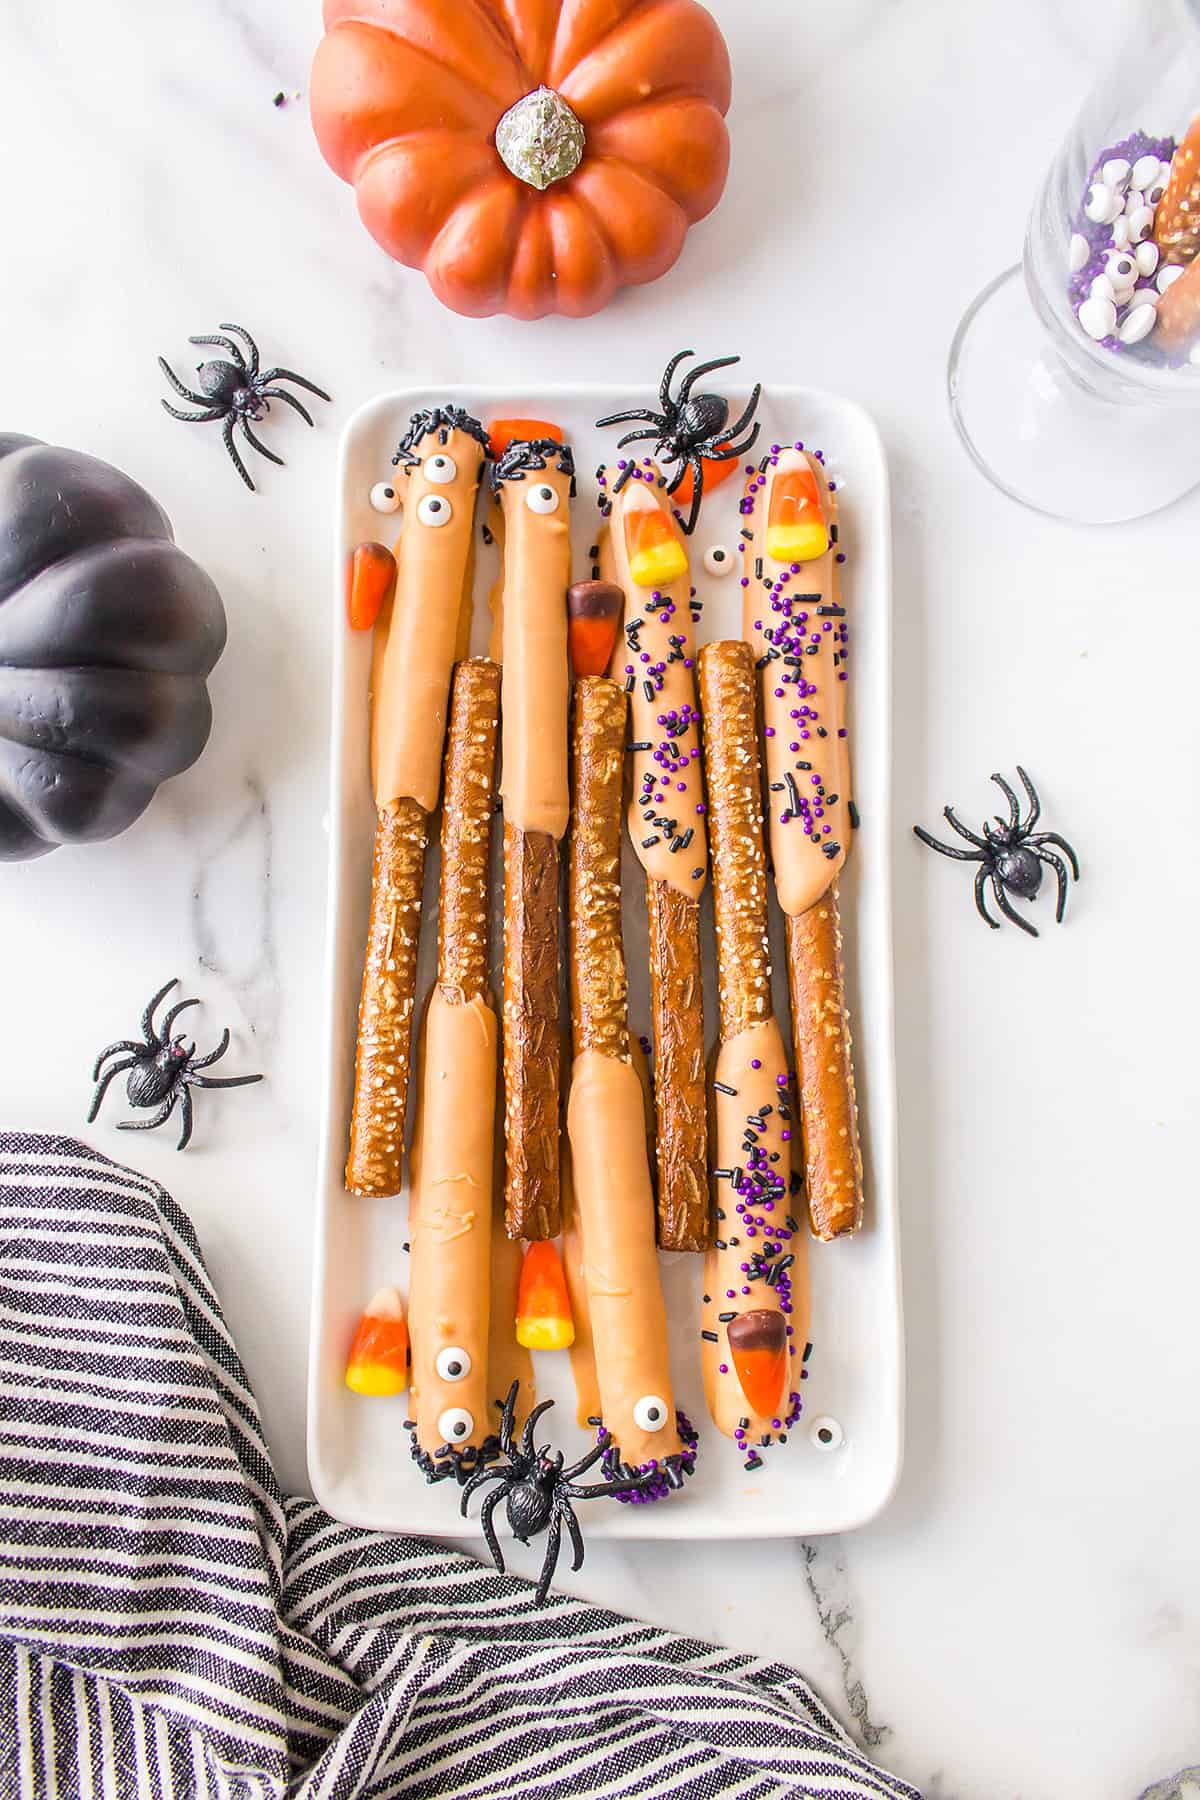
(655, 553)
(796, 529)
(544, 1319)
(758, 1346)
(378, 1362)
(370, 584)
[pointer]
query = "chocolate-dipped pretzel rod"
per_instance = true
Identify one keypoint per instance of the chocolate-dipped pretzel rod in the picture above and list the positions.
(606, 1124)
(794, 621)
(755, 1312)
(440, 458)
(535, 481)
(453, 1160)
(642, 552)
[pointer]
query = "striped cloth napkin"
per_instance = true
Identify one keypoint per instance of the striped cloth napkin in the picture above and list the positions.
(172, 1625)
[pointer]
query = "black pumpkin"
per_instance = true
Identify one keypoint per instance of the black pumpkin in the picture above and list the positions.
(107, 632)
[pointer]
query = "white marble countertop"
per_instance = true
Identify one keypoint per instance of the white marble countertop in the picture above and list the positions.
(1025, 1619)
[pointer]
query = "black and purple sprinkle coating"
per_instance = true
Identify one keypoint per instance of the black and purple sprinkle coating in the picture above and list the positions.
(672, 1471)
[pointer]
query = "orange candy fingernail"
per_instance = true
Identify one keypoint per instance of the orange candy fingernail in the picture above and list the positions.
(796, 529)
(594, 611)
(758, 1346)
(378, 1361)
(544, 1320)
(503, 432)
(370, 584)
(656, 556)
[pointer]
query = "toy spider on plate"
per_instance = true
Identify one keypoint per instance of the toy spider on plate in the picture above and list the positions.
(538, 1491)
(237, 392)
(690, 428)
(1011, 855)
(161, 1070)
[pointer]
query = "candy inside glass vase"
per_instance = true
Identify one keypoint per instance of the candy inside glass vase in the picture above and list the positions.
(1074, 378)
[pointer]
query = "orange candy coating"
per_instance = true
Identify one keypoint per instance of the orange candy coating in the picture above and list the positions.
(544, 1318)
(378, 1360)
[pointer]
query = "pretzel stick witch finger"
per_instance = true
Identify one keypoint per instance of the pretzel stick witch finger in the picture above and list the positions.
(794, 621)
(440, 457)
(642, 552)
(453, 1160)
(756, 1306)
(606, 1128)
(535, 480)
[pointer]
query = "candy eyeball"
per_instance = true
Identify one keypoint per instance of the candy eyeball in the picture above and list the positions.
(452, 1363)
(826, 1434)
(541, 498)
(455, 1424)
(1121, 268)
(385, 498)
(440, 468)
(718, 560)
(433, 509)
(650, 1413)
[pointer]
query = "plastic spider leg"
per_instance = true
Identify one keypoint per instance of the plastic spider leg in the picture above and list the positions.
(258, 444)
(751, 408)
(221, 1081)
(213, 1055)
(185, 392)
(574, 1533)
(160, 1118)
(693, 375)
(148, 1031)
(199, 418)
(165, 1029)
(947, 849)
(636, 437)
(227, 438)
(586, 1462)
(597, 1491)
(1006, 907)
(241, 332)
(527, 1448)
(186, 1114)
(489, 1530)
(1035, 805)
(278, 393)
(550, 1560)
(1014, 806)
(664, 390)
(693, 518)
(633, 415)
(300, 380)
(116, 1050)
(479, 1479)
(1052, 837)
(224, 343)
(507, 1415)
(980, 902)
(118, 1068)
(1060, 870)
(956, 824)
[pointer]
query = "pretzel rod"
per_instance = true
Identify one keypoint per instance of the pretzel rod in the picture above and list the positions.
(606, 1123)
(756, 1305)
(535, 482)
(643, 552)
(795, 622)
(413, 655)
(454, 1151)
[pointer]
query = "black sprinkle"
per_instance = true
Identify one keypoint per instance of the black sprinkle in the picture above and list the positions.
(710, 1337)
(646, 746)
(648, 689)
(803, 765)
(758, 568)
(752, 1462)
(831, 612)
(280, 99)
(724, 1319)
(793, 791)
(648, 843)
(486, 534)
(807, 1353)
(854, 819)
(748, 535)
(720, 1244)
(764, 465)
(629, 685)
(722, 1088)
(404, 1247)
(833, 534)
(595, 1422)
(594, 550)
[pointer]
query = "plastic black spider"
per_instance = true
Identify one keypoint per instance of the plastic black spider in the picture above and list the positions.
(161, 1070)
(538, 1491)
(1011, 855)
(689, 427)
(237, 392)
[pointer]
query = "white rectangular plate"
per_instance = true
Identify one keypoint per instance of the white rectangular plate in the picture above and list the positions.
(358, 1453)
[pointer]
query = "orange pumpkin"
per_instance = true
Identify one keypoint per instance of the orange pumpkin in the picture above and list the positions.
(626, 151)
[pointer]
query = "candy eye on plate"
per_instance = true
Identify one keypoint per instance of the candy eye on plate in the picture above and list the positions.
(826, 1434)
(452, 1364)
(541, 498)
(432, 509)
(384, 497)
(440, 468)
(455, 1424)
(650, 1413)
(717, 560)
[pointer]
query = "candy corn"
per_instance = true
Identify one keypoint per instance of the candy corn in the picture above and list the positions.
(503, 432)
(544, 1319)
(656, 555)
(370, 585)
(758, 1346)
(378, 1362)
(796, 529)
(594, 610)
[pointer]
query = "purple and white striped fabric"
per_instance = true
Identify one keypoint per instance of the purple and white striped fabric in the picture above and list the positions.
(171, 1625)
